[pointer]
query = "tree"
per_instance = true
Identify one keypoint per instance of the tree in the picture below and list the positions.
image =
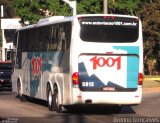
(123, 6)
(147, 10)
(114, 6)
(149, 13)
(90, 6)
(8, 8)
(33, 10)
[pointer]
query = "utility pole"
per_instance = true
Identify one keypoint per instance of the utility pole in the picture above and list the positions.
(2, 11)
(73, 5)
(105, 6)
(3, 39)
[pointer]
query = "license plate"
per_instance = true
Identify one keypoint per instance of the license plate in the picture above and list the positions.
(108, 88)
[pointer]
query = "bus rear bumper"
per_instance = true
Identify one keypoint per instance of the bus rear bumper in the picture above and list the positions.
(113, 98)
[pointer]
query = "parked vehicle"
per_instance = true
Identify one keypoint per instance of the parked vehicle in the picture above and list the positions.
(5, 74)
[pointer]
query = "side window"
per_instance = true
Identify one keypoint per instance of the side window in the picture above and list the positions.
(63, 36)
(26, 40)
(20, 41)
(19, 50)
(34, 44)
(54, 38)
(38, 39)
(31, 44)
(46, 38)
(68, 30)
(15, 39)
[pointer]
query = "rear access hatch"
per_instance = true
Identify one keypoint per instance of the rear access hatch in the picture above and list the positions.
(108, 72)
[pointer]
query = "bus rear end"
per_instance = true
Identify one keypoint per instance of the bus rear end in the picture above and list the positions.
(109, 59)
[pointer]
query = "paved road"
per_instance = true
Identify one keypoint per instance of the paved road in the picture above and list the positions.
(12, 109)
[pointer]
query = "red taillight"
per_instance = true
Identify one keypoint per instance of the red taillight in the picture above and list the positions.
(140, 79)
(109, 17)
(75, 78)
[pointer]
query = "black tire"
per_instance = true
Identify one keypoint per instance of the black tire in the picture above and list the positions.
(56, 106)
(23, 98)
(49, 98)
(52, 100)
(55, 99)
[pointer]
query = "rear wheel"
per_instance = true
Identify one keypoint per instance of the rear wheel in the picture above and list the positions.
(49, 98)
(53, 100)
(56, 102)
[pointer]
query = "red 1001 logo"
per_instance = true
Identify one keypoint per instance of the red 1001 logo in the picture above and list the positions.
(109, 62)
(36, 67)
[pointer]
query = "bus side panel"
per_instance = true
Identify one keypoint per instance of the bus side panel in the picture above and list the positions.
(15, 76)
(64, 77)
(65, 62)
(31, 63)
(21, 72)
(41, 72)
(55, 69)
(25, 73)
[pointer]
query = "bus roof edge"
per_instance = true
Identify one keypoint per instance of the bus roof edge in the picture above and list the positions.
(51, 19)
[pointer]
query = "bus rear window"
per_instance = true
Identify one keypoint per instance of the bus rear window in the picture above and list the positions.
(109, 29)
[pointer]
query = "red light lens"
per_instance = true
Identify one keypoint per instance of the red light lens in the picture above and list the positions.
(106, 17)
(75, 78)
(113, 17)
(140, 79)
(109, 17)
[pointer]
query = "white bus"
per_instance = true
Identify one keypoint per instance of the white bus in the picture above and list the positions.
(94, 59)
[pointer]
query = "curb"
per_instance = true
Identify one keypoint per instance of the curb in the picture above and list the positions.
(155, 78)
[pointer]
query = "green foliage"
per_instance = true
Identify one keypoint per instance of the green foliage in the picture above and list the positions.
(33, 10)
(150, 15)
(123, 6)
(147, 10)
(89, 7)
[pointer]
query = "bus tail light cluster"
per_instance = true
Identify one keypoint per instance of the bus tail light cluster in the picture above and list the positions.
(75, 78)
(140, 79)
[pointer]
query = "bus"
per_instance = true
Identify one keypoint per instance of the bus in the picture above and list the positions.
(91, 59)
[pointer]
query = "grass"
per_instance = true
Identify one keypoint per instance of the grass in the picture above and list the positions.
(148, 76)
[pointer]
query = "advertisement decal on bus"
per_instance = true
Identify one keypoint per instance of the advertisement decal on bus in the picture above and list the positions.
(120, 70)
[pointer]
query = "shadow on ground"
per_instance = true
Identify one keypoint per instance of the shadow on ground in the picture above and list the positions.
(88, 109)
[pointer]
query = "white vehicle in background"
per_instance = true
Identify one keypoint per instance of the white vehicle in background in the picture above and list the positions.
(84, 59)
